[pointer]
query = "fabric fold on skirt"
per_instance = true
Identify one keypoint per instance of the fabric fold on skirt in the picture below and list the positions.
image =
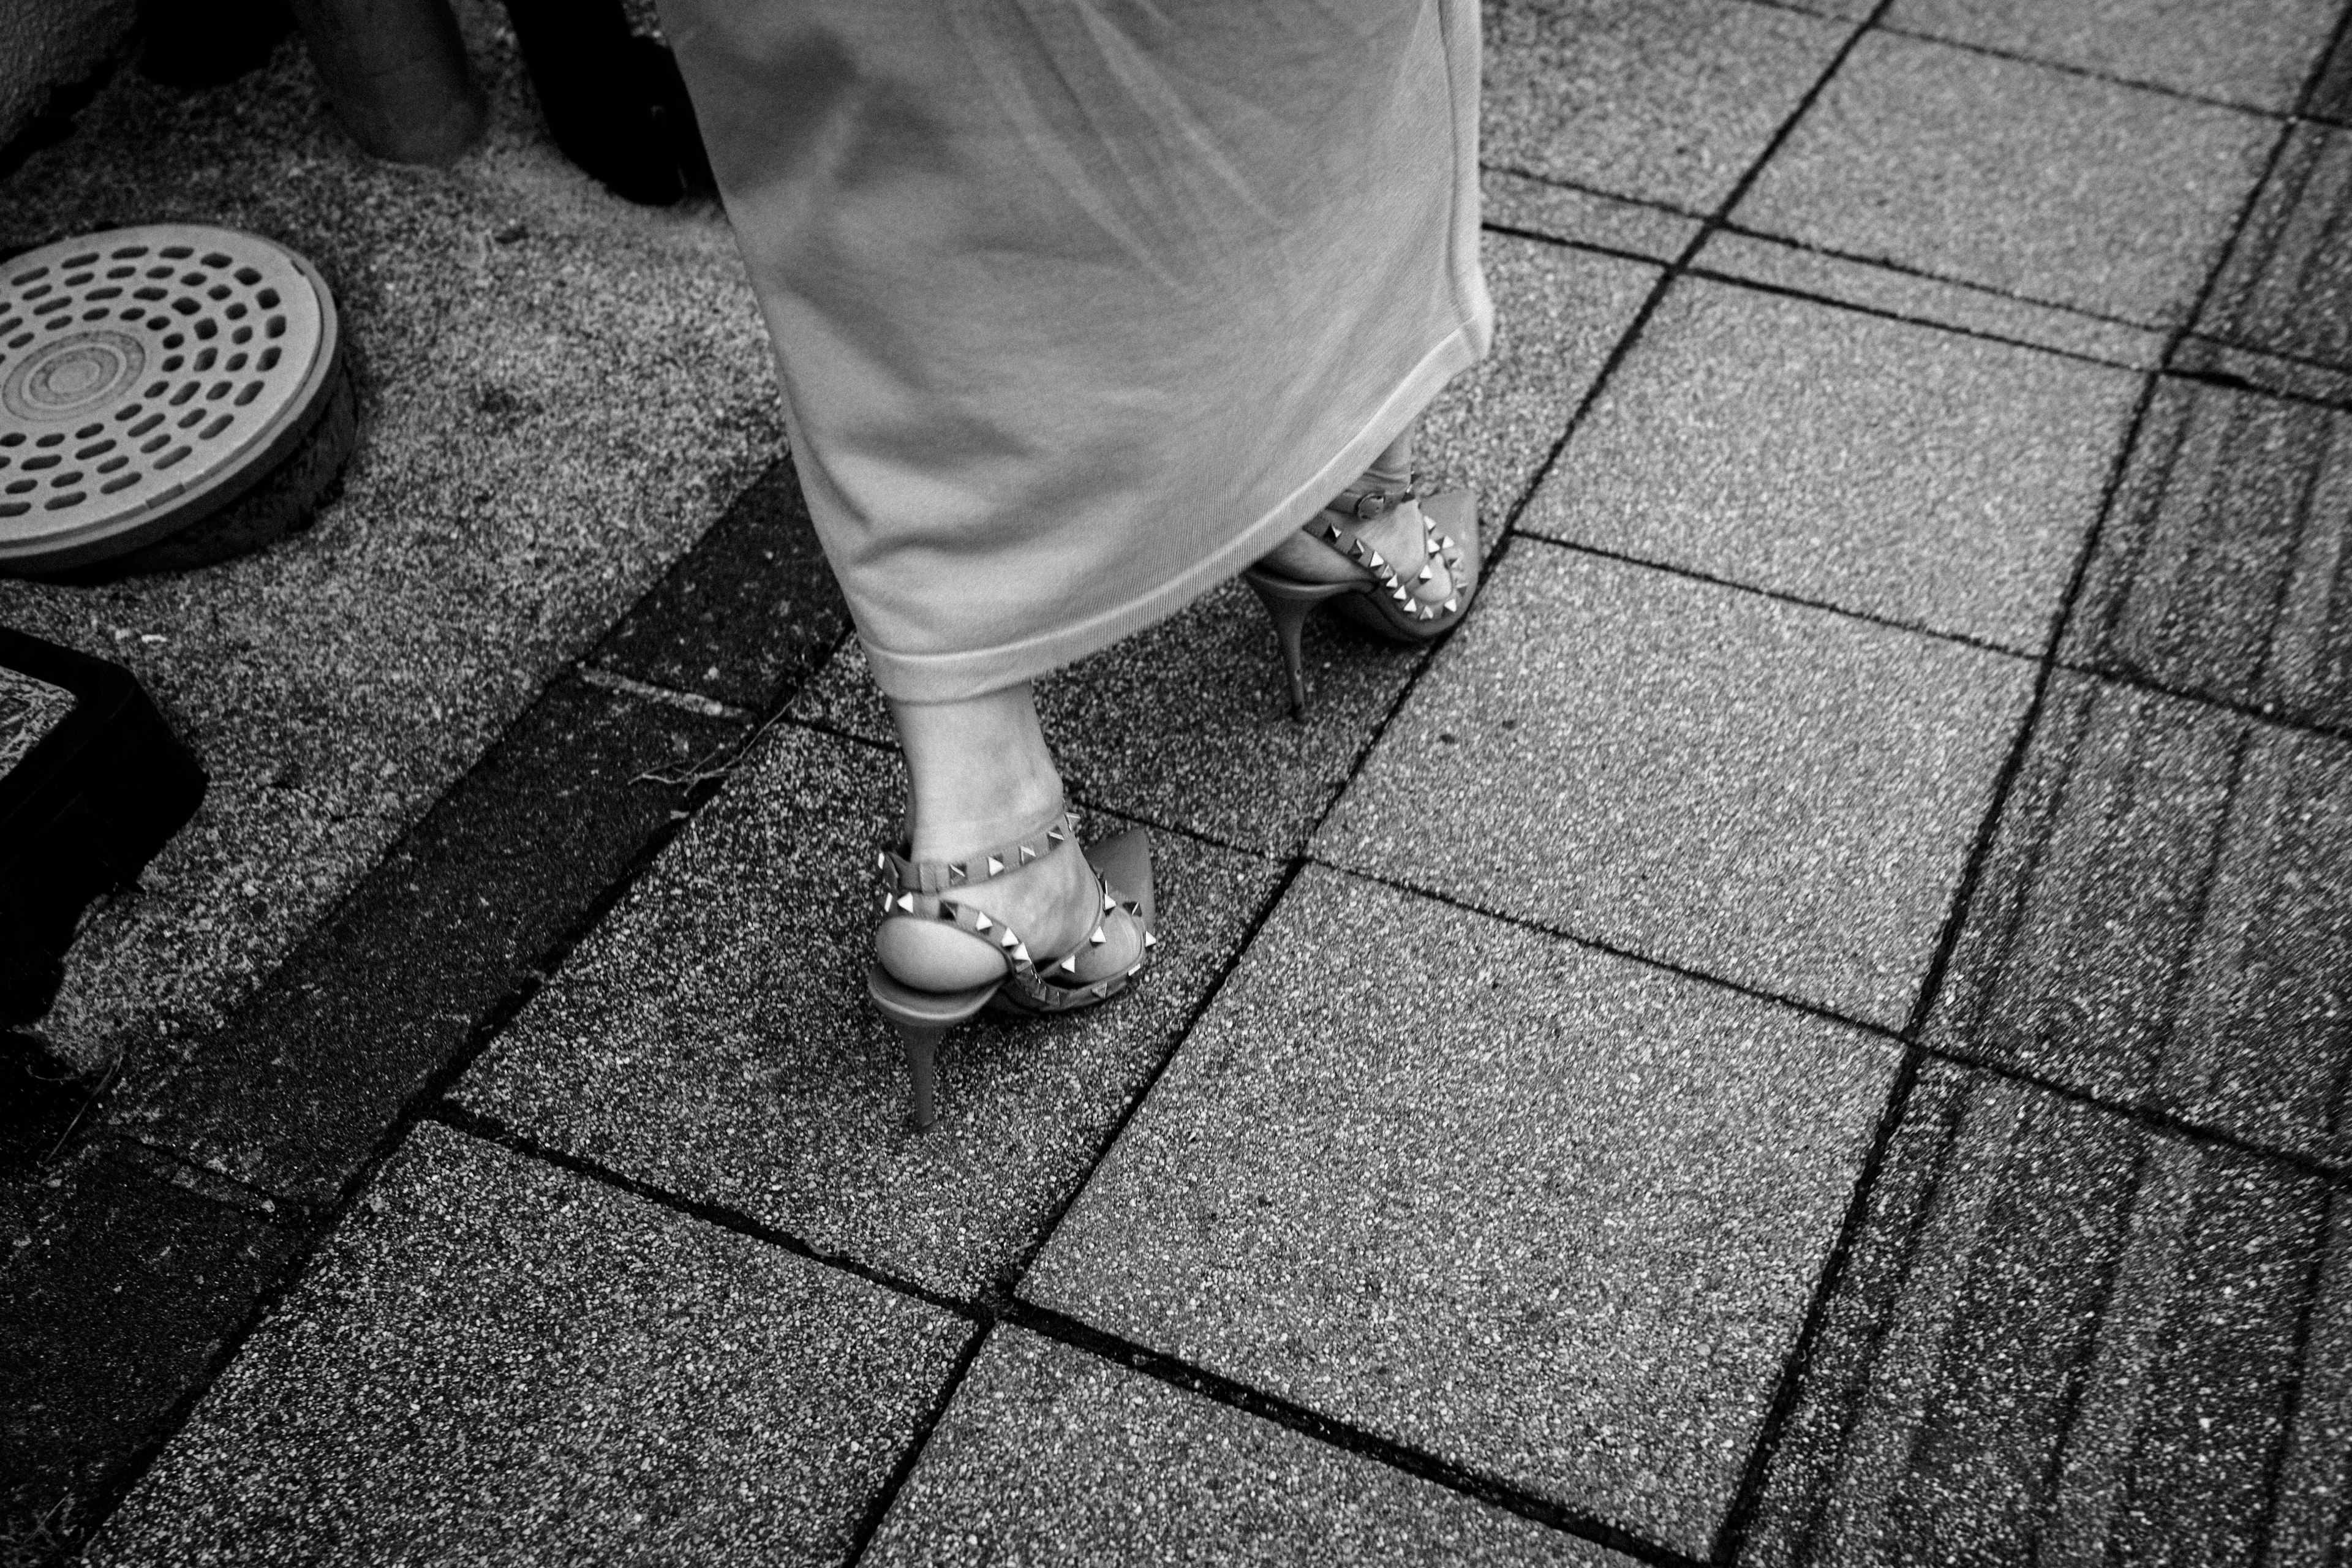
(1080, 305)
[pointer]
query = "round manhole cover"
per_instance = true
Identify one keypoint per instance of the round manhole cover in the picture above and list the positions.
(148, 377)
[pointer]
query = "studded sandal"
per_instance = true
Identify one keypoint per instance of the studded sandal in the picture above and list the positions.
(1384, 601)
(926, 891)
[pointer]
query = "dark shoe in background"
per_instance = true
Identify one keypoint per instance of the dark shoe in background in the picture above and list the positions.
(204, 43)
(613, 100)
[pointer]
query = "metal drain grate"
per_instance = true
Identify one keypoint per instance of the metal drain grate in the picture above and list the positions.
(148, 377)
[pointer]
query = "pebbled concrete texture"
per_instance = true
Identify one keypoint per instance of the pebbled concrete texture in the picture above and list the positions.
(1663, 101)
(745, 616)
(49, 47)
(2254, 53)
(2061, 188)
(1776, 796)
(1877, 465)
(2062, 1337)
(495, 1360)
(2166, 919)
(1787, 268)
(1190, 721)
(2287, 286)
(713, 1036)
(2218, 570)
(1050, 1456)
(558, 392)
(1469, 1190)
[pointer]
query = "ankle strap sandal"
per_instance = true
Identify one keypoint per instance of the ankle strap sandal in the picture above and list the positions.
(1384, 603)
(1032, 982)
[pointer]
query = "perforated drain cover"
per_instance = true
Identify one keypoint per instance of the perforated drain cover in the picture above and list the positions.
(148, 377)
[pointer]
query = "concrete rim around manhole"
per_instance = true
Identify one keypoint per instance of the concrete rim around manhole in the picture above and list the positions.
(148, 377)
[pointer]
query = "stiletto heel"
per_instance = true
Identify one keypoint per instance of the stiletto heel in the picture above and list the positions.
(1288, 603)
(1383, 603)
(926, 890)
(923, 1073)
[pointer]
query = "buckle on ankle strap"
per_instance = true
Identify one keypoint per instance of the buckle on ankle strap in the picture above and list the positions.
(1365, 505)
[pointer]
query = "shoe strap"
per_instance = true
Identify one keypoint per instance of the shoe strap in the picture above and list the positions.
(909, 875)
(1364, 504)
(1392, 575)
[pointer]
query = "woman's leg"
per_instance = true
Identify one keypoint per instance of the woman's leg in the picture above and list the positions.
(981, 778)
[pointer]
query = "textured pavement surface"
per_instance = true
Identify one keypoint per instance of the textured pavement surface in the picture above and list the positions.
(1814, 1029)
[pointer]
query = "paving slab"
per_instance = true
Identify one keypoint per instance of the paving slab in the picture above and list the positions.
(2254, 53)
(759, 1077)
(2061, 188)
(1052, 1456)
(1792, 268)
(526, 343)
(1189, 722)
(1891, 469)
(2287, 286)
(497, 1361)
(1575, 216)
(746, 613)
(1663, 101)
(1775, 794)
(111, 1314)
(2166, 919)
(2063, 1338)
(1546, 1213)
(294, 1095)
(2216, 571)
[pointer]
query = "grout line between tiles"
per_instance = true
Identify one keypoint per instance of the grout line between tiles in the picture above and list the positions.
(878, 1506)
(1777, 595)
(2087, 73)
(1334, 1432)
(1010, 1281)
(480, 1125)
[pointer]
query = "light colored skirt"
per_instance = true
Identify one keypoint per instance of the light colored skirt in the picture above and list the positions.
(1081, 305)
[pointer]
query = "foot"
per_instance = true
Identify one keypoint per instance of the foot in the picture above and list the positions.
(1053, 904)
(1398, 535)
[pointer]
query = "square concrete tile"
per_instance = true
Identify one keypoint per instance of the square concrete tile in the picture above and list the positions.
(495, 1360)
(2061, 188)
(1935, 480)
(1549, 1213)
(2256, 53)
(2287, 287)
(2166, 919)
(1189, 722)
(2063, 1338)
(1779, 795)
(2218, 566)
(713, 1037)
(1052, 1456)
(1667, 100)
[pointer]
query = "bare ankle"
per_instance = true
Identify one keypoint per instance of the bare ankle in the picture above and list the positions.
(980, 773)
